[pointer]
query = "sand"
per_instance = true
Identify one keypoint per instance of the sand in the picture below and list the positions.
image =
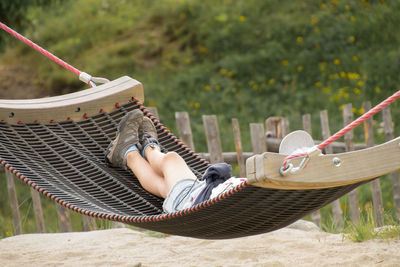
(294, 246)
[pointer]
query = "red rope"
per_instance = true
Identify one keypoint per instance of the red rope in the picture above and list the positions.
(346, 129)
(361, 119)
(38, 48)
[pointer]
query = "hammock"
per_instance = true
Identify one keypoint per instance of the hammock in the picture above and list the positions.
(56, 145)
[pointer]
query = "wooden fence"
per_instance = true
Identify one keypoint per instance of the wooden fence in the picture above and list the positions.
(264, 137)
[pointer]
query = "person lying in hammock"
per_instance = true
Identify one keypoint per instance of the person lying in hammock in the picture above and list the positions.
(165, 175)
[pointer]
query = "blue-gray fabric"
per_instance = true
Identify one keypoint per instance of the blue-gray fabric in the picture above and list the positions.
(214, 175)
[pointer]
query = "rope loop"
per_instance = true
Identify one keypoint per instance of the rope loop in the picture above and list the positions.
(288, 167)
(87, 78)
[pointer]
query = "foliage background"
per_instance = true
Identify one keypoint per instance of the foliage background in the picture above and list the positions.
(243, 59)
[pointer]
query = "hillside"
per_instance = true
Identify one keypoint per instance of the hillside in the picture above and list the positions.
(260, 58)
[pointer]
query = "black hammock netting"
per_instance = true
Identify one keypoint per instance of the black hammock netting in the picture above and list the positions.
(65, 161)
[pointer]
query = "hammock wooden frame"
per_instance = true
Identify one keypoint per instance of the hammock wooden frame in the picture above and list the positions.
(326, 170)
(73, 106)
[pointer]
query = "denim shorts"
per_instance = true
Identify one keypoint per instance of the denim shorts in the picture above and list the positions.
(181, 195)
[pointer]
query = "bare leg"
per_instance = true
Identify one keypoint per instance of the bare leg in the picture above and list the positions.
(170, 165)
(148, 178)
(161, 172)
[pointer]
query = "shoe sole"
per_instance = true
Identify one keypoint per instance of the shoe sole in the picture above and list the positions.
(120, 128)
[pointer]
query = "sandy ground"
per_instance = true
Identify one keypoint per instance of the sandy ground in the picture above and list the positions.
(125, 247)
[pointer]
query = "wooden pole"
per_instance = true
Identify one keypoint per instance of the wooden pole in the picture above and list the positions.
(375, 185)
(348, 139)
(277, 127)
(89, 223)
(213, 138)
(258, 141)
(153, 111)
(64, 220)
(12, 194)
(388, 129)
(336, 209)
(37, 207)
(184, 129)
(238, 147)
(316, 215)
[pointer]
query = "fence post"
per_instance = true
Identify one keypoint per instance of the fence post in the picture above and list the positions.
(37, 207)
(64, 220)
(89, 223)
(12, 194)
(258, 140)
(277, 127)
(336, 209)
(184, 130)
(315, 215)
(388, 129)
(238, 147)
(153, 111)
(375, 185)
(348, 140)
(213, 138)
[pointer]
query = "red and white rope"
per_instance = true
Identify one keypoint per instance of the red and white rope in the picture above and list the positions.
(346, 129)
(50, 55)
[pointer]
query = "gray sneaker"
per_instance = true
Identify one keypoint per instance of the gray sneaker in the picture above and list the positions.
(147, 134)
(127, 136)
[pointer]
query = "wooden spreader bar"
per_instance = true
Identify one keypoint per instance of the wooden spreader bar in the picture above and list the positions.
(74, 106)
(325, 171)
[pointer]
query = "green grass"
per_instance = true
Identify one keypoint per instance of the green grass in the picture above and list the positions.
(367, 229)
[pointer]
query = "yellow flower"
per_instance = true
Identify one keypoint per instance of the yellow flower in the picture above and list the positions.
(255, 86)
(353, 109)
(299, 39)
(207, 88)
(378, 90)
(357, 91)
(333, 76)
(361, 111)
(347, 7)
(299, 68)
(322, 66)
(285, 62)
(230, 74)
(352, 18)
(360, 83)
(314, 20)
(336, 62)
(316, 30)
(343, 74)
(242, 18)
(223, 71)
(352, 38)
(203, 49)
(217, 87)
(197, 105)
(326, 90)
(323, 6)
(318, 84)
(355, 58)
(271, 81)
(188, 60)
(353, 76)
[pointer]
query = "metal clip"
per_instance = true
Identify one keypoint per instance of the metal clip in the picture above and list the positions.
(290, 168)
